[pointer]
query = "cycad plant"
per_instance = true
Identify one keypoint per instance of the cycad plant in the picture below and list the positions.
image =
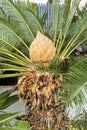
(51, 77)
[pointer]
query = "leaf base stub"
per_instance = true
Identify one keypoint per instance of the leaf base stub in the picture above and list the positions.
(41, 94)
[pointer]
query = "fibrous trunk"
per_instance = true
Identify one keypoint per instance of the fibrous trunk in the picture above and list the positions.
(41, 93)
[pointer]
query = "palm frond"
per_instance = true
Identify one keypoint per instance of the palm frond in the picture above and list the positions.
(78, 33)
(8, 54)
(13, 40)
(22, 16)
(31, 15)
(11, 47)
(15, 64)
(61, 28)
(72, 43)
(14, 74)
(54, 20)
(8, 34)
(73, 6)
(44, 17)
(33, 7)
(76, 81)
(72, 11)
(79, 23)
(64, 12)
(66, 9)
(11, 11)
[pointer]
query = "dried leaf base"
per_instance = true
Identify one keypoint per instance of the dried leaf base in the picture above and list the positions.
(41, 94)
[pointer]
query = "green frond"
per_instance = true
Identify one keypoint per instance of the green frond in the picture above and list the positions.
(6, 117)
(61, 28)
(72, 11)
(63, 16)
(78, 31)
(14, 74)
(31, 16)
(72, 43)
(76, 81)
(11, 60)
(64, 12)
(10, 67)
(66, 9)
(73, 6)
(14, 41)
(53, 32)
(11, 11)
(33, 21)
(11, 47)
(9, 35)
(44, 17)
(79, 23)
(9, 54)
(56, 18)
(76, 46)
(21, 23)
(13, 63)
(33, 7)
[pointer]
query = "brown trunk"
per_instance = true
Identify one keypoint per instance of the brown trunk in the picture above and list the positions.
(41, 94)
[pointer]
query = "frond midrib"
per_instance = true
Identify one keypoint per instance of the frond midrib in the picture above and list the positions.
(14, 34)
(78, 91)
(21, 18)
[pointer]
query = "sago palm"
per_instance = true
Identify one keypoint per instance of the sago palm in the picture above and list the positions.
(51, 77)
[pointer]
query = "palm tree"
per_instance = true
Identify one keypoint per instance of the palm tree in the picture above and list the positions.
(51, 77)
